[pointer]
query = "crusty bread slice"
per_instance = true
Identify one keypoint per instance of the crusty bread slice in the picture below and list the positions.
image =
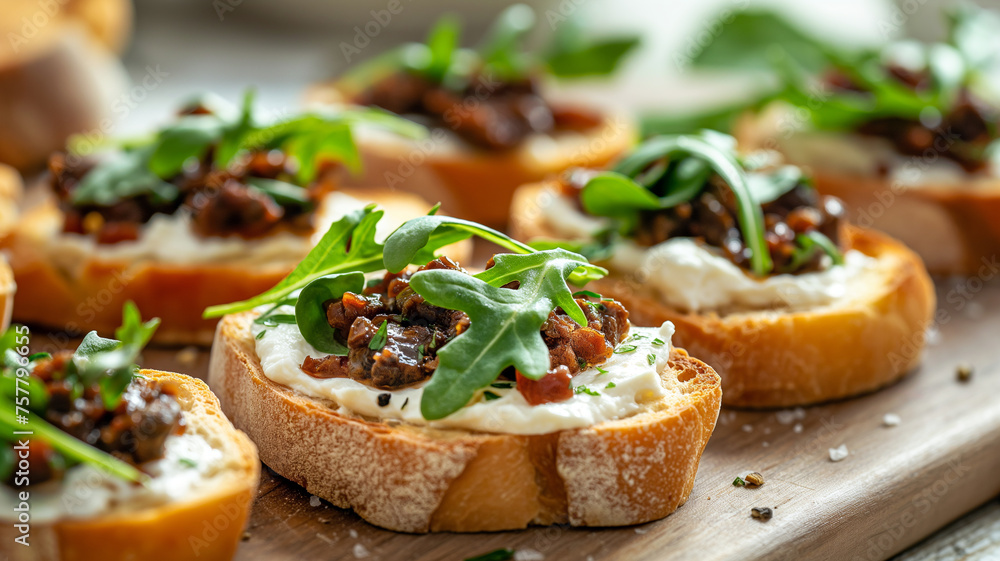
(416, 479)
(476, 184)
(780, 358)
(177, 294)
(206, 527)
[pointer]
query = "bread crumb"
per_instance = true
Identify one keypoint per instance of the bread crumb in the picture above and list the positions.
(747, 428)
(187, 356)
(353, 533)
(360, 551)
(314, 501)
(963, 372)
(797, 428)
(838, 453)
(245, 536)
(891, 420)
(785, 417)
(528, 555)
(641, 531)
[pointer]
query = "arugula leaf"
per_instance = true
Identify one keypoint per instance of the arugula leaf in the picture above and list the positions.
(769, 186)
(594, 58)
(417, 240)
(348, 246)
(603, 198)
(505, 323)
(120, 176)
(283, 193)
(190, 137)
(310, 310)
(442, 43)
(67, 445)
(749, 38)
(233, 134)
(500, 51)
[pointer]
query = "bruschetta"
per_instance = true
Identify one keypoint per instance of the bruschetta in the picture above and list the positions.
(904, 133)
(762, 277)
(213, 207)
(102, 461)
(493, 126)
(437, 400)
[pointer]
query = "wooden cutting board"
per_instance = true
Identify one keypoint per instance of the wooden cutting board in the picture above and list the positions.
(896, 487)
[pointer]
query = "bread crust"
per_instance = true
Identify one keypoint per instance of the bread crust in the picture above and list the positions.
(177, 294)
(417, 479)
(474, 184)
(206, 527)
(780, 358)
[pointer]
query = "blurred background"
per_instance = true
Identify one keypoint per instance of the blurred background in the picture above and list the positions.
(281, 46)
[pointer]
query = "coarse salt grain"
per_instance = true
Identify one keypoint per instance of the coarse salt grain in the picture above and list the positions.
(838, 453)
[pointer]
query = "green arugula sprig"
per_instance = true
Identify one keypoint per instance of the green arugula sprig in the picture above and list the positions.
(442, 60)
(681, 166)
(106, 363)
(504, 329)
(146, 166)
(505, 323)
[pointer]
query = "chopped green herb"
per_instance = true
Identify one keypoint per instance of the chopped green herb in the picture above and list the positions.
(586, 390)
(600, 371)
(659, 342)
(490, 396)
(261, 335)
(420, 352)
(609, 386)
(405, 403)
(381, 336)
(188, 462)
(586, 293)
(651, 358)
(502, 385)
(38, 356)
(738, 482)
(625, 349)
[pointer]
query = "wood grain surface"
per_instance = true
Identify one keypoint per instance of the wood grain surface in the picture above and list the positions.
(897, 486)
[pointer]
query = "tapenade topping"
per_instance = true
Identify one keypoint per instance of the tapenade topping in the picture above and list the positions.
(490, 96)
(929, 100)
(415, 331)
(766, 220)
(457, 332)
(86, 406)
(232, 174)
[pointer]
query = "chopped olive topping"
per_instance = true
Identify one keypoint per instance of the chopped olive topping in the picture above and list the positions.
(402, 350)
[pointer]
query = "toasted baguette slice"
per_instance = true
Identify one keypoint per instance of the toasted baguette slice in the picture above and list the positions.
(478, 184)
(417, 479)
(177, 294)
(778, 358)
(208, 527)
